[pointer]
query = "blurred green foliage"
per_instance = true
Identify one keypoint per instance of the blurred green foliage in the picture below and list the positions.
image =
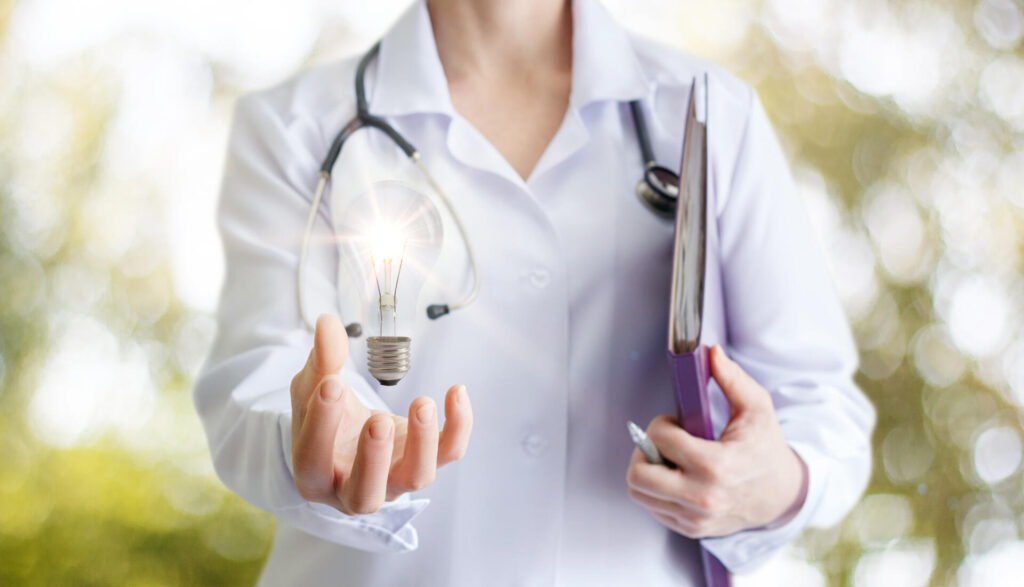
(142, 507)
(100, 516)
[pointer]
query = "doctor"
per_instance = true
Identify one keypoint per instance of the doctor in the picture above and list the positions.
(519, 109)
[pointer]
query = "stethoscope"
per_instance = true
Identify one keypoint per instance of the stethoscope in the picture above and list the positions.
(658, 189)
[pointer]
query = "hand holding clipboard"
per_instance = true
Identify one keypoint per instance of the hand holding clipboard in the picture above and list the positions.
(772, 483)
(686, 355)
(689, 358)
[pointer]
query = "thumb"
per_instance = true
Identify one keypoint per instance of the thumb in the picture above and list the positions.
(739, 388)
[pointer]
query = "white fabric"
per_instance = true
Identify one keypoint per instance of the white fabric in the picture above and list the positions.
(566, 341)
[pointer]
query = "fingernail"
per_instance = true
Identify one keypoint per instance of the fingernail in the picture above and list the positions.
(330, 390)
(460, 394)
(425, 413)
(380, 428)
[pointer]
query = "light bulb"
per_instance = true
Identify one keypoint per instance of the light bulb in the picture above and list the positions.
(390, 237)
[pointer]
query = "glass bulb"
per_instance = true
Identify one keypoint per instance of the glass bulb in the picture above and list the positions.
(390, 237)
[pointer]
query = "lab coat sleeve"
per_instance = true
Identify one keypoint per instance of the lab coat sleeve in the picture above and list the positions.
(242, 394)
(786, 327)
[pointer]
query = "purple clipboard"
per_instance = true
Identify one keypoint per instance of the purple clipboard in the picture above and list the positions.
(687, 356)
(691, 374)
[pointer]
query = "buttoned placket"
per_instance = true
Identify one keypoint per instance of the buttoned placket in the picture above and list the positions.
(540, 279)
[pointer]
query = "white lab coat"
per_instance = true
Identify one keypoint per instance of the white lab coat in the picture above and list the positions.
(566, 341)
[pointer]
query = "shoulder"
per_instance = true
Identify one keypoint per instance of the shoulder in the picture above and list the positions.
(741, 140)
(321, 97)
(670, 68)
(285, 130)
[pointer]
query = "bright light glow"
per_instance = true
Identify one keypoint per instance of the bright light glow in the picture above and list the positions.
(899, 233)
(1013, 371)
(908, 564)
(45, 126)
(885, 55)
(801, 24)
(387, 243)
(976, 231)
(234, 32)
(390, 235)
(1002, 88)
(980, 316)
(1009, 177)
(991, 532)
(851, 262)
(156, 59)
(882, 519)
(994, 567)
(785, 569)
(906, 454)
(1000, 22)
(997, 454)
(90, 384)
(936, 357)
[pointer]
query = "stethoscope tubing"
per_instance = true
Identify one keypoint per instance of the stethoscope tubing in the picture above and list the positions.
(655, 189)
(364, 119)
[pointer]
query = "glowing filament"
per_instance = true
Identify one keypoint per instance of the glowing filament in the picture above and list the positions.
(387, 244)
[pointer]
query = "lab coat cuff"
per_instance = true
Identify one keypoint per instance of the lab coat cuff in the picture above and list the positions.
(386, 530)
(745, 551)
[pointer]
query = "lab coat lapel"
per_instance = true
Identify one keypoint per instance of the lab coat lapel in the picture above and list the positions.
(605, 68)
(410, 77)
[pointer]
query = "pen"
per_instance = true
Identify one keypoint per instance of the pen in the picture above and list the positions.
(643, 442)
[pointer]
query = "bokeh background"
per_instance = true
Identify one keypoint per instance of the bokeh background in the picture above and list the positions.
(904, 121)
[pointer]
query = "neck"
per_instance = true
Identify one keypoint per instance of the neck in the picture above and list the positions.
(501, 36)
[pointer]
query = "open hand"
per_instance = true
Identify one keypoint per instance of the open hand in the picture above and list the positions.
(747, 479)
(352, 458)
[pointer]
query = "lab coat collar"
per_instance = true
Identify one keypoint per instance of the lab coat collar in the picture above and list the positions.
(410, 78)
(605, 66)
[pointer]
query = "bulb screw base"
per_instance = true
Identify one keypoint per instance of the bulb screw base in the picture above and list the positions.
(388, 358)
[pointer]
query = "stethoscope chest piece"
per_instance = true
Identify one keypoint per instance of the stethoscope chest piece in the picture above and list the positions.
(659, 191)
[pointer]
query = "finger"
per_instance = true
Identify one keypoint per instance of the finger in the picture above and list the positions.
(683, 512)
(679, 526)
(742, 391)
(313, 451)
(458, 424)
(327, 357)
(661, 482)
(418, 465)
(682, 448)
(363, 492)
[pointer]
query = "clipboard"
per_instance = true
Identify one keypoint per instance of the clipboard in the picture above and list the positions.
(688, 358)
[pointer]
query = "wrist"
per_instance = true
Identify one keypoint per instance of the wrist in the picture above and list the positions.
(796, 503)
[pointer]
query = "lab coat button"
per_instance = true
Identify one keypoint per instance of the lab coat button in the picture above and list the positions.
(534, 444)
(540, 278)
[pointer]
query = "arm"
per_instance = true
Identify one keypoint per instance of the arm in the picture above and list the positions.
(246, 391)
(790, 388)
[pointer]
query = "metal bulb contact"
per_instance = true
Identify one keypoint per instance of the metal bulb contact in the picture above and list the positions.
(388, 358)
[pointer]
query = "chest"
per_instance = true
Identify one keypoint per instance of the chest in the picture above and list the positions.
(572, 247)
(518, 117)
